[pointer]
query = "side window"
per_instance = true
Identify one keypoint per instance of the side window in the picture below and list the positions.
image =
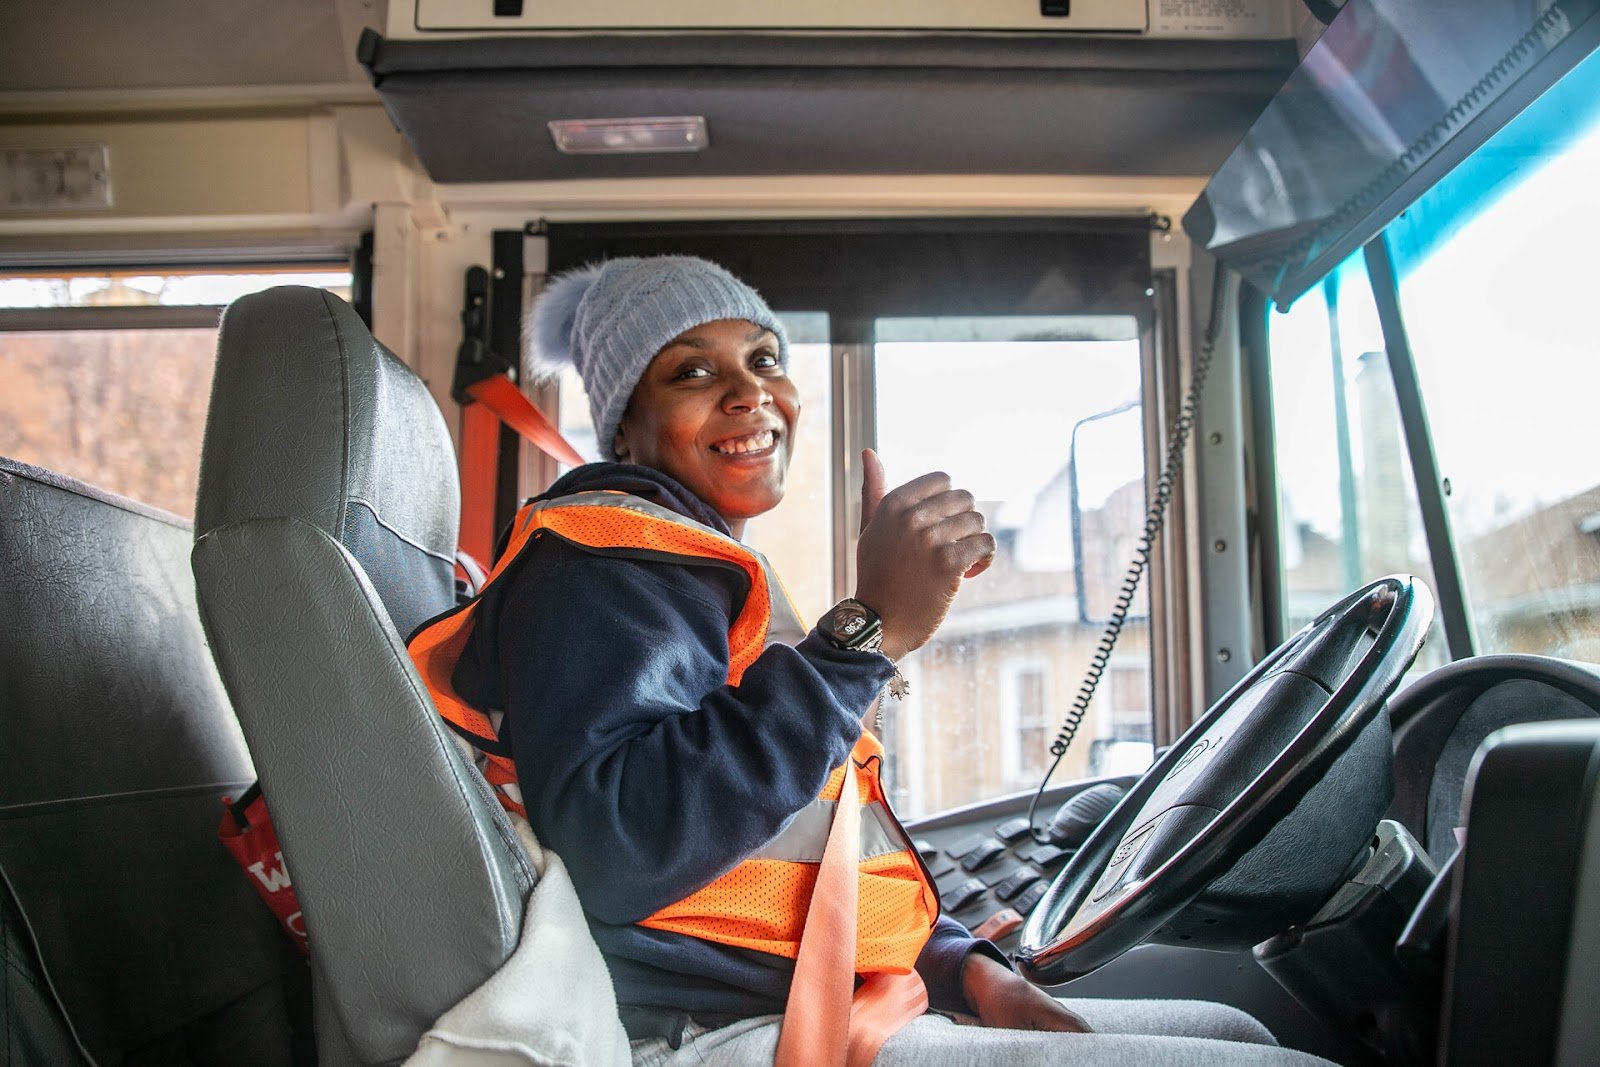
(107, 376)
(1496, 294)
(1039, 418)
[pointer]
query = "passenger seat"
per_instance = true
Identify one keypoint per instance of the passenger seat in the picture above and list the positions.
(131, 929)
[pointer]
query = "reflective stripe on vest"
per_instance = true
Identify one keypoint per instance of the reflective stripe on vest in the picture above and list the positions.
(761, 903)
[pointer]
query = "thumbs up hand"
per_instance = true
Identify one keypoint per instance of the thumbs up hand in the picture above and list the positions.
(917, 543)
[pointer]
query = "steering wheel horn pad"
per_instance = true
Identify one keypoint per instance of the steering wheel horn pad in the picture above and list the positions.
(1217, 792)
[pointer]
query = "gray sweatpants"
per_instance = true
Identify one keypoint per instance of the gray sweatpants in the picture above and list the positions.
(1128, 1033)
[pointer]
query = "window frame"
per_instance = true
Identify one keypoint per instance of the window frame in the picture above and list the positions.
(264, 258)
(1450, 592)
(131, 317)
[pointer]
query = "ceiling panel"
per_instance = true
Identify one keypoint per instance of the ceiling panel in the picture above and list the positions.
(156, 44)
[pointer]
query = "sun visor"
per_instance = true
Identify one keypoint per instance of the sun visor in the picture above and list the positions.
(1393, 95)
(1004, 270)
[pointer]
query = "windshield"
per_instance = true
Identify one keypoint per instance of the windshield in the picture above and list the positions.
(1497, 287)
(1496, 293)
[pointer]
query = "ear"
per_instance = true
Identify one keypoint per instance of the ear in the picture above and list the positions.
(619, 445)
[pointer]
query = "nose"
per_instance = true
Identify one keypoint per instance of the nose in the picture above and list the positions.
(746, 392)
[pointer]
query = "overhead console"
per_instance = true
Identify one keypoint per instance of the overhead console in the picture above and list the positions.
(1093, 87)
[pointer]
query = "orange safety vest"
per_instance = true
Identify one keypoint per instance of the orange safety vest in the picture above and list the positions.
(760, 904)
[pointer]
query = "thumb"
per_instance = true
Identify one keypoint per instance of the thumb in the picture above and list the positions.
(871, 485)
(979, 567)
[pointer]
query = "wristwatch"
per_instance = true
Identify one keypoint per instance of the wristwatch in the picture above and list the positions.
(852, 625)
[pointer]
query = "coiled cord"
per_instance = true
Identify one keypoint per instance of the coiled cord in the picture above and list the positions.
(1154, 520)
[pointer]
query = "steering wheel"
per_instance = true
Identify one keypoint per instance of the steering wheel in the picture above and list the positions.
(1225, 784)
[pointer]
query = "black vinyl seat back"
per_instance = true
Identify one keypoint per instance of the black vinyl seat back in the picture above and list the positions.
(35, 1024)
(326, 526)
(118, 745)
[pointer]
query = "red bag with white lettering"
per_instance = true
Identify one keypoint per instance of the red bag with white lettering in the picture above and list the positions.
(247, 831)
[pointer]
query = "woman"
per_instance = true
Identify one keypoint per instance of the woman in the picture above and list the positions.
(675, 763)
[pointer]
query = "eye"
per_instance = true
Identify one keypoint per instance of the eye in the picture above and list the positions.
(689, 372)
(764, 359)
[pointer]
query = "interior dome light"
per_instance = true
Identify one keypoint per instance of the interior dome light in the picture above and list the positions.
(678, 133)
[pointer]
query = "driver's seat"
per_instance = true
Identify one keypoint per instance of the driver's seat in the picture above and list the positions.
(325, 530)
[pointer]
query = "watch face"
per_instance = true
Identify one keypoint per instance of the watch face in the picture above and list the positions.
(852, 625)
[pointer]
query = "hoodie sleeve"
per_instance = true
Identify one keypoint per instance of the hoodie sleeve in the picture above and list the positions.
(942, 959)
(633, 753)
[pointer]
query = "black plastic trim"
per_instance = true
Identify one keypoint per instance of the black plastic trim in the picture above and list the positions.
(1515, 891)
(1256, 358)
(858, 270)
(1449, 589)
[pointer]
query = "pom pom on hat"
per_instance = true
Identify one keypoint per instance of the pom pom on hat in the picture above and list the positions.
(548, 346)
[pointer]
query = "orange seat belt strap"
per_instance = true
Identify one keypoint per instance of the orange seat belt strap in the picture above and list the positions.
(518, 412)
(480, 444)
(827, 1022)
(496, 400)
(884, 1003)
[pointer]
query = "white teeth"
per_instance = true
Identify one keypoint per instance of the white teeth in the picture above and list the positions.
(740, 445)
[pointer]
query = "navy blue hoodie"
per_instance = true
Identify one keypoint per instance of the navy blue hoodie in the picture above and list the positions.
(643, 769)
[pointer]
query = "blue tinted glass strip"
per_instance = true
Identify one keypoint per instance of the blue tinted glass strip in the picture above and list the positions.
(1566, 113)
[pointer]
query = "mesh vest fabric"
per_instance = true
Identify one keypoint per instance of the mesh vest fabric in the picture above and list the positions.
(760, 904)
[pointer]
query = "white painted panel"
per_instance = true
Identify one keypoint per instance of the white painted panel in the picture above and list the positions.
(1218, 18)
(187, 167)
(428, 16)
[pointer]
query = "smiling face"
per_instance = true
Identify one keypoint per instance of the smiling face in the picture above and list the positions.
(716, 411)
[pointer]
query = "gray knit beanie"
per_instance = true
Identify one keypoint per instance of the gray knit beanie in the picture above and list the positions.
(608, 320)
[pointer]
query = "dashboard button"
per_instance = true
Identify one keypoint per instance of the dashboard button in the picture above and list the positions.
(1012, 829)
(925, 848)
(983, 855)
(1045, 855)
(1030, 897)
(999, 872)
(1000, 924)
(1016, 883)
(962, 895)
(964, 846)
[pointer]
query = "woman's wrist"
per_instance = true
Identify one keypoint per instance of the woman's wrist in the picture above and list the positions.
(979, 976)
(893, 650)
(891, 644)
